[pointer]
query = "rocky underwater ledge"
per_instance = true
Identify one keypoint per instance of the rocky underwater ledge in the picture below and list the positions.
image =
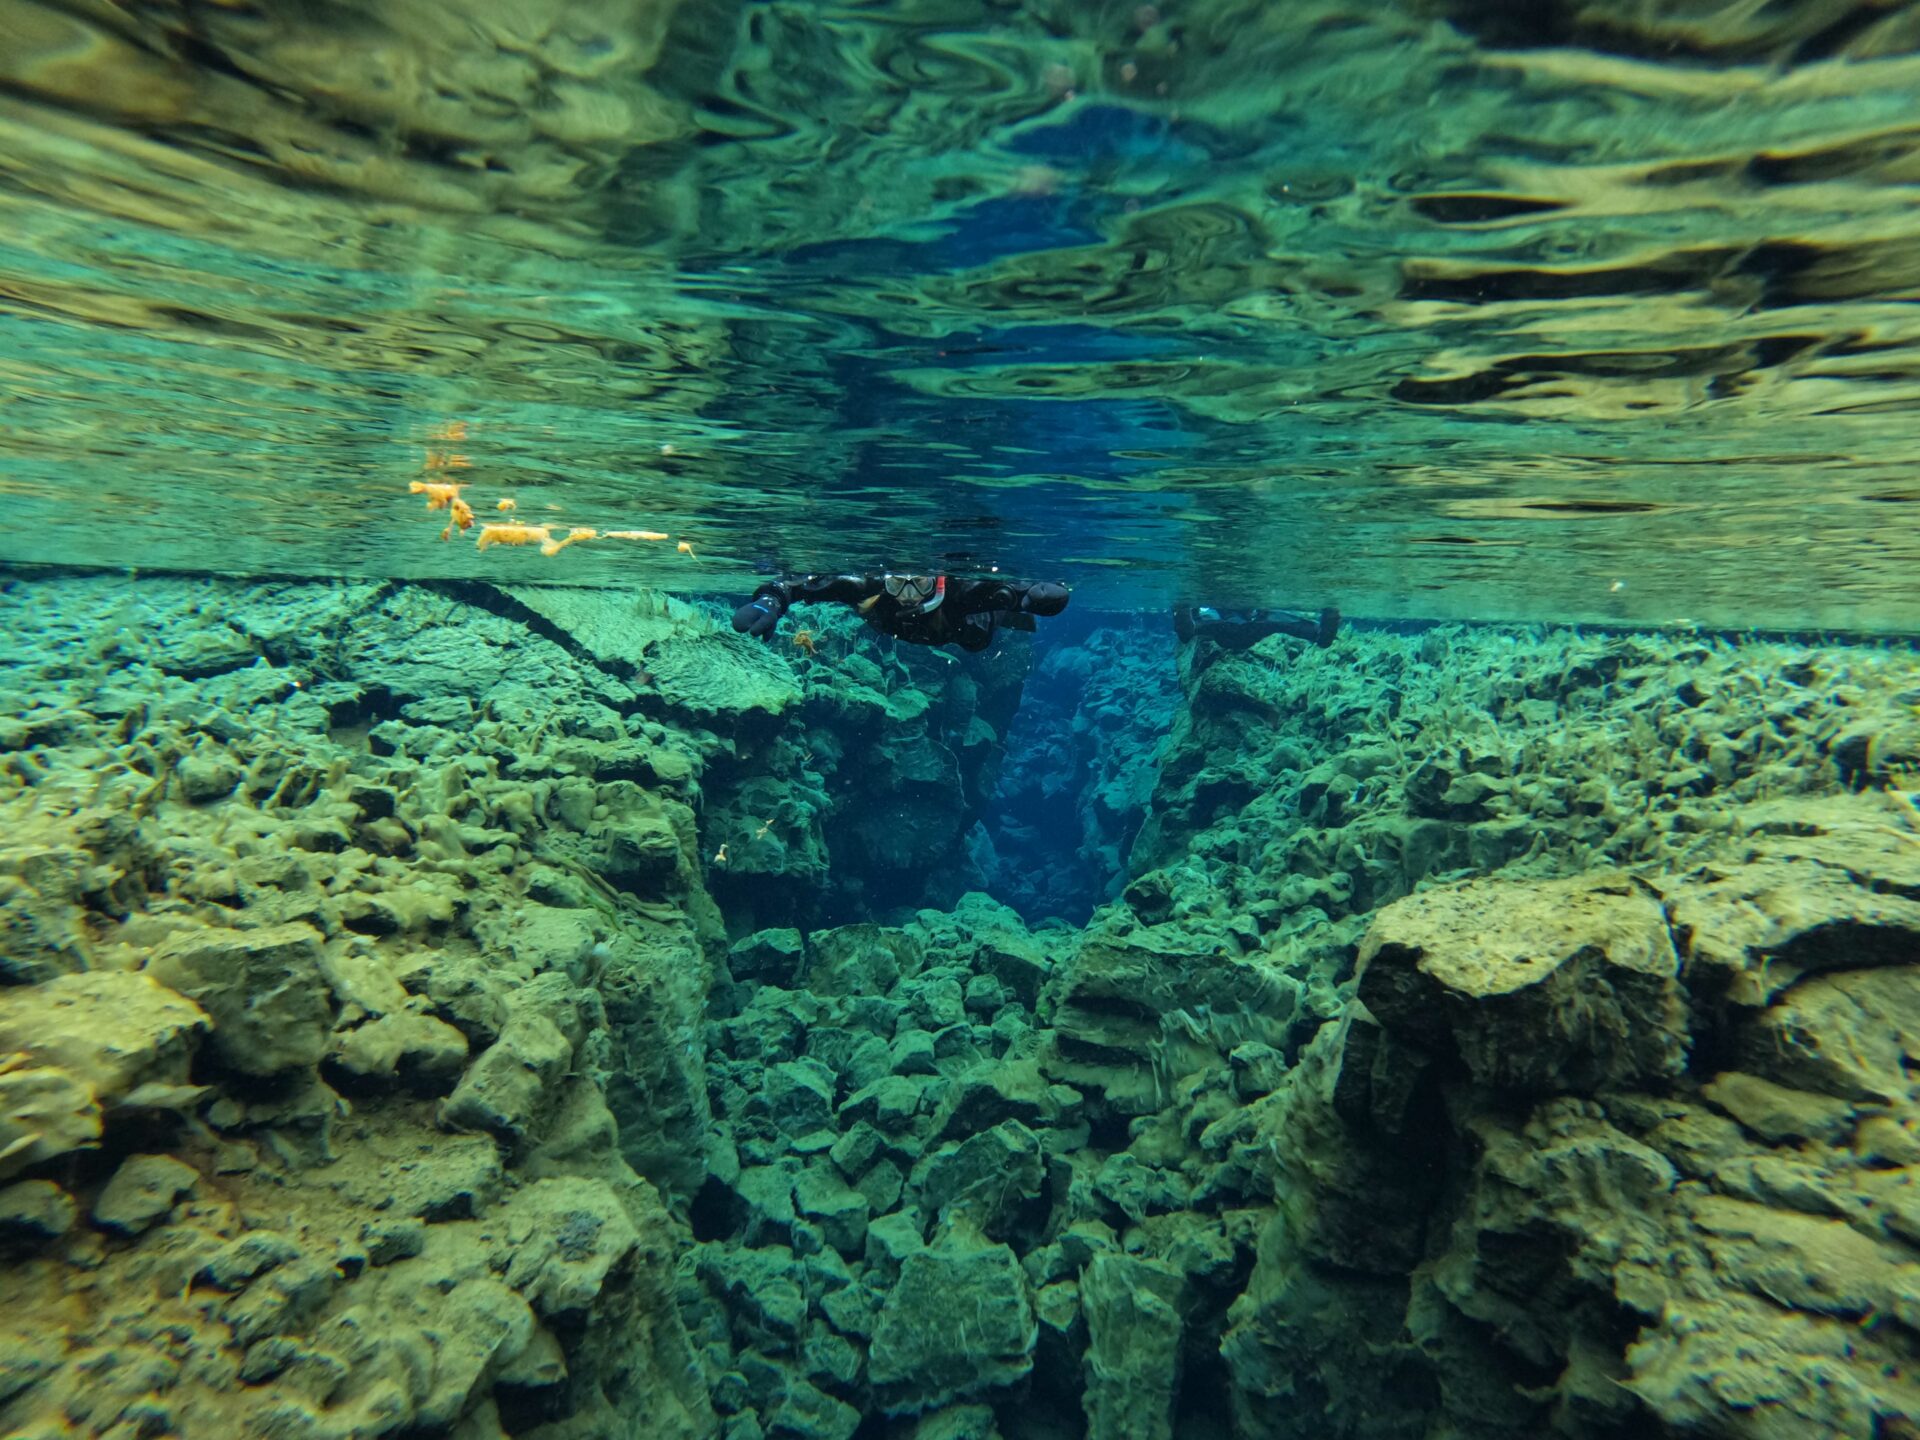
(493, 1011)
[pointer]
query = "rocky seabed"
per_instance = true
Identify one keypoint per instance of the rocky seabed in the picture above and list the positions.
(488, 1011)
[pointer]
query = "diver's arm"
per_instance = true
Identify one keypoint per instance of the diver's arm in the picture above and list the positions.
(1034, 597)
(848, 589)
(761, 615)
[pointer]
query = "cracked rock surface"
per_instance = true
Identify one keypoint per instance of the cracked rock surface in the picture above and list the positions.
(1492, 1035)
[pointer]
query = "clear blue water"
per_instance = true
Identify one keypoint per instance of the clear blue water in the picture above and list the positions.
(1426, 309)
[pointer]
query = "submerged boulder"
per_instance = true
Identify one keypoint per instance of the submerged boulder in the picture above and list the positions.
(1549, 985)
(113, 1032)
(265, 989)
(956, 1324)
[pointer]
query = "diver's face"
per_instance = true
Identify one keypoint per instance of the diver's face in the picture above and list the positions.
(911, 591)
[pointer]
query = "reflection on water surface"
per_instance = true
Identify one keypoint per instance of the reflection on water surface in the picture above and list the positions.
(1562, 310)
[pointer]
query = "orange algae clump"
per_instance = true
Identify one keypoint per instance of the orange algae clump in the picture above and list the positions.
(637, 535)
(462, 518)
(513, 534)
(440, 493)
(574, 537)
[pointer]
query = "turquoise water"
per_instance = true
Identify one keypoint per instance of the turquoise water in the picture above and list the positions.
(1423, 943)
(1414, 308)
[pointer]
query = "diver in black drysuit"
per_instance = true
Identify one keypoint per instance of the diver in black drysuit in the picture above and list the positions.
(1239, 630)
(920, 609)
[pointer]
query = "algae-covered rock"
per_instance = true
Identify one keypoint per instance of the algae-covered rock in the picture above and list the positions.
(772, 957)
(141, 1191)
(264, 989)
(1849, 1034)
(1800, 905)
(840, 1212)
(44, 880)
(1134, 1332)
(34, 1213)
(989, 1175)
(45, 1111)
(427, 1054)
(956, 1324)
(860, 960)
(563, 1239)
(1555, 985)
(114, 1032)
(514, 1079)
(721, 678)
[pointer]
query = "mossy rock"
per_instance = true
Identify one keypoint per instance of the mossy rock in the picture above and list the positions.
(721, 677)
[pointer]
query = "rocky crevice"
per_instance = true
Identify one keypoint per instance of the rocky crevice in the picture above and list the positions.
(454, 1031)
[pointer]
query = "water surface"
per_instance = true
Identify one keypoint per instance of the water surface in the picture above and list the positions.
(1419, 308)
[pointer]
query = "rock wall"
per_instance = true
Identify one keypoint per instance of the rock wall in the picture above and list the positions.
(336, 920)
(1570, 1146)
(1609, 1156)
(355, 947)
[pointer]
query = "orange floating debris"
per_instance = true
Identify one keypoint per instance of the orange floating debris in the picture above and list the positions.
(441, 460)
(452, 430)
(513, 534)
(574, 537)
(440, 493)
(637, 535)
(685, 547)
(504, 505)
(462, 518)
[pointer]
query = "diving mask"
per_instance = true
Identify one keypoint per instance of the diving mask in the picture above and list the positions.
(917, 592)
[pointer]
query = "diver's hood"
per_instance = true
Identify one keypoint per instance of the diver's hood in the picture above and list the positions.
(917, 592)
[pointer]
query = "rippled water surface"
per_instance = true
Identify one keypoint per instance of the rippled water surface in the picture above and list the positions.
(1564, 310)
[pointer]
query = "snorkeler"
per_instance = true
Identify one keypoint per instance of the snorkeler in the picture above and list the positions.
(920, 609)
(1237, 630)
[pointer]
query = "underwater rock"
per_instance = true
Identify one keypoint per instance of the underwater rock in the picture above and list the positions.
(45, 1111)
(860, 960)
(804, 1412)
(1778, 1113)
(1553, 985)
(1134, 1335)
(1751, 930)
(116, 1033)
(840, 1212)
(721, 680)
(1499, 1209)
(34, 1213)
(207, 777)
(987, 1177)
(564, 1237)
(921, 1359)
(772, 957)
(141, 1191)
(264, 989)
(510, 1084)
(1124, 1000)
(80, 1043)
(429, 1055)
(44, 887)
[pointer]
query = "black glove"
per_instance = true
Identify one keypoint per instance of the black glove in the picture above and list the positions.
(1044, 597)
(760, 615)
